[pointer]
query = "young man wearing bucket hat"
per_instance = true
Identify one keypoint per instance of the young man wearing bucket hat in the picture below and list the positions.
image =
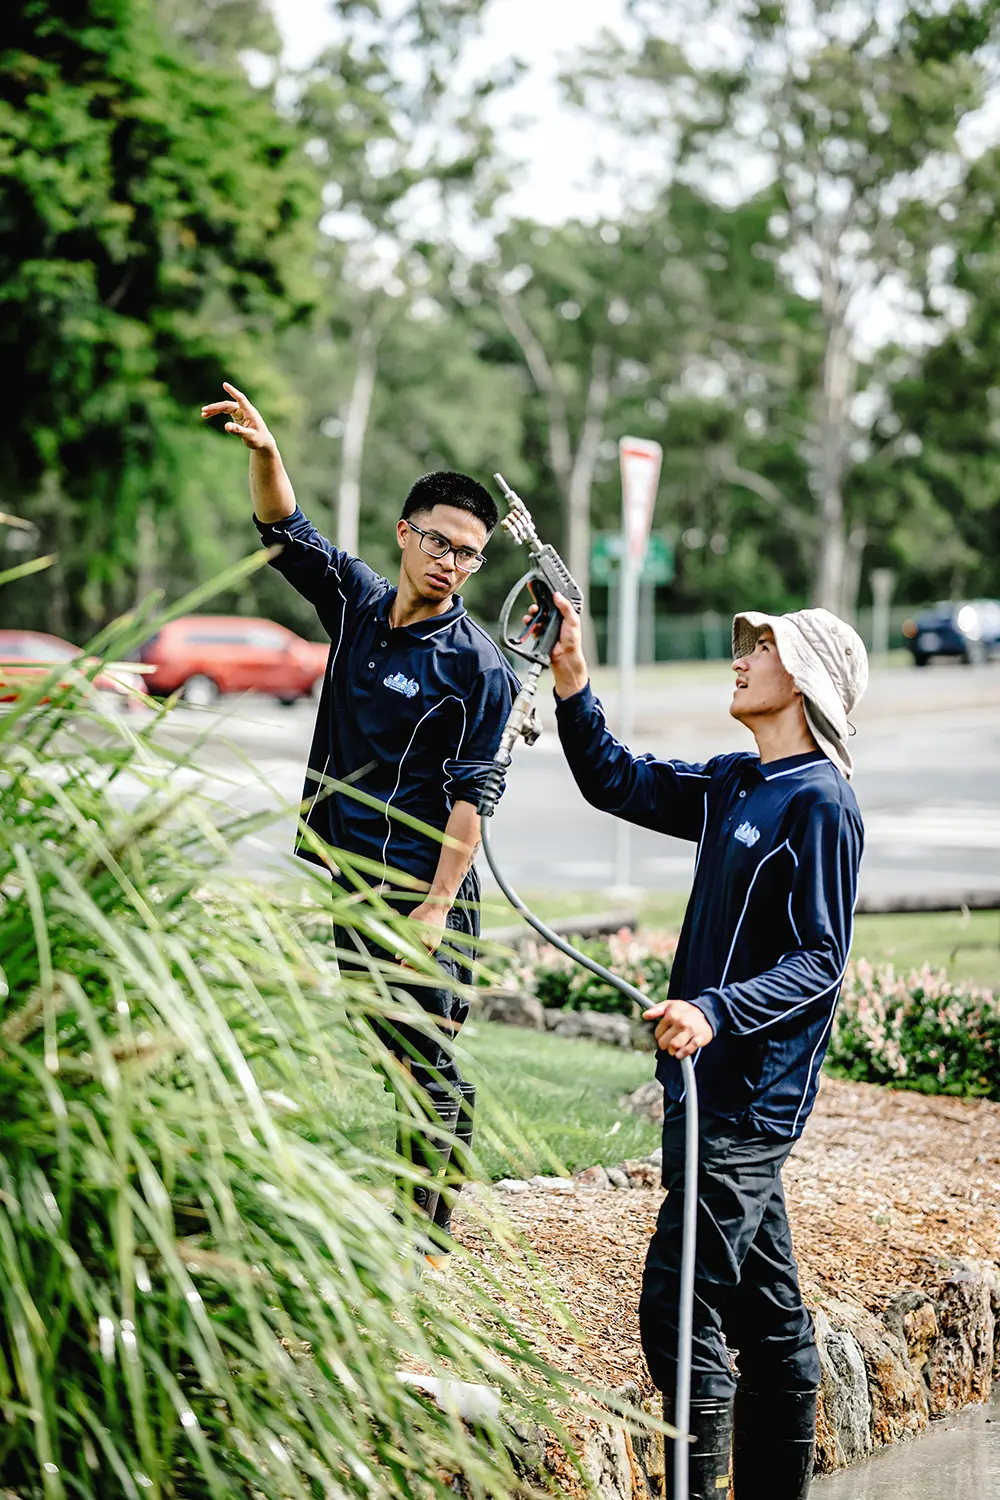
(755, 982)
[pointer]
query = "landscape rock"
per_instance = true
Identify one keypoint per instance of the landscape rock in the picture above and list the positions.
(655, 1158)
(912, 1317)
(646, 1100)
(641, 1174)
(593, 1025)
(553, 1184)
(844, 1423)
(606, 1462)
(593, 1177)
(511, 1185)
(514, 1009)
(960, 1365)
(617, 1178)
(896, 1391)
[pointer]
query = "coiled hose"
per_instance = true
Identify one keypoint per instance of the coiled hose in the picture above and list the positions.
(685, 1313)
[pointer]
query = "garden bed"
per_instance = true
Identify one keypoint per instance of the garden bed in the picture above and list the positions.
(887, 1191)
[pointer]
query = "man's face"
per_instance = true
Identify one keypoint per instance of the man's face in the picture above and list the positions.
(437, 577)
(763, 687)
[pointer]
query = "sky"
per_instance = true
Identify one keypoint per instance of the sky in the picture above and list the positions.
(557, 145)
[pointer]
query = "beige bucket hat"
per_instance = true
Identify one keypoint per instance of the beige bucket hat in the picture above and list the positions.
(827, 661)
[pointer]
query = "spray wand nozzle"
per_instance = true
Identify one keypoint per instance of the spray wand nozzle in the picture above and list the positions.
(547, 576)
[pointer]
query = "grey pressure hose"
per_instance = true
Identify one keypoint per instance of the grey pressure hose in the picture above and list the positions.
(685, 1312)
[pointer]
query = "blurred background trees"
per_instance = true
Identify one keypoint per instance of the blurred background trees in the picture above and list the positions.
(798, 303)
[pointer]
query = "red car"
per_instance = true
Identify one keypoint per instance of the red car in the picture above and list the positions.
(26, 656)
(205, 655)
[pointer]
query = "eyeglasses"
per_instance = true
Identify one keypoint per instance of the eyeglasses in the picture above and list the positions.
(466, 561)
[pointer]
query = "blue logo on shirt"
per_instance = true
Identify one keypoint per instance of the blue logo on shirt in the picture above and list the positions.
(747, 834)
(401, 684)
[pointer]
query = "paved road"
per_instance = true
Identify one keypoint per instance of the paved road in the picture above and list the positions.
(928, 778)
(959, 1457)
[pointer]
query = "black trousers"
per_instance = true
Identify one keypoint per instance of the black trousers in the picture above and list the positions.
(429, 1056)
(746, 1295)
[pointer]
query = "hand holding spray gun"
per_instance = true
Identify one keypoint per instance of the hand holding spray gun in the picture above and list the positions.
(547, 577)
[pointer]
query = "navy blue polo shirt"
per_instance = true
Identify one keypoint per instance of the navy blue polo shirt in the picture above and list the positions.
(412, 716)
(768, 927)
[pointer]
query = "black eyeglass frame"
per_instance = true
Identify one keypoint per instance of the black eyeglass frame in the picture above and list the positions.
(478, 558)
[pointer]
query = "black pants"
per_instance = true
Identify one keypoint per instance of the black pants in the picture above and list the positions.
(746, 1294)
(429, 1056)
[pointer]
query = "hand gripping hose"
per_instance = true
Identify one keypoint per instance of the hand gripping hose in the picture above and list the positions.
(685, 1313)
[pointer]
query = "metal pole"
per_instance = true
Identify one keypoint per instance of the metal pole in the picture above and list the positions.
(627, 635)
(882, 580)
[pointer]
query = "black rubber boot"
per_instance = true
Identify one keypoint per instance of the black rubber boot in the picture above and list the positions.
(430, 1152)
(459, 1158)
(774, 1444)
(708, 1461)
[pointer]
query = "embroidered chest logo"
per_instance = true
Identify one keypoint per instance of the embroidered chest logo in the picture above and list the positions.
(747, 834)
(401, 684)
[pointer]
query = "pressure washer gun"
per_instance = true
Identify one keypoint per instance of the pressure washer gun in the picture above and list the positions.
(547, 576)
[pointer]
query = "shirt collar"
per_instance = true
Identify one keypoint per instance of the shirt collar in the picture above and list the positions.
(790, 763)
(422, 630)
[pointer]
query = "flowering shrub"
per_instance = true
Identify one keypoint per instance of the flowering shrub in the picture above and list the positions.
(644, 960)
(917, 1030)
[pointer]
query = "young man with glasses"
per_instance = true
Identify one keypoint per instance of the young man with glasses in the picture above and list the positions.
(414, 701)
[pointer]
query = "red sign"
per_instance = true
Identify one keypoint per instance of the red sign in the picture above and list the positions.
(640, 465)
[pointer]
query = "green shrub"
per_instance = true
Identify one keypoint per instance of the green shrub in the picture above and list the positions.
(917, 1031)
(543, 971)
(201, 1295)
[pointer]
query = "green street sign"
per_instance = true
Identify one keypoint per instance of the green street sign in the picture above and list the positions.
(607, 548)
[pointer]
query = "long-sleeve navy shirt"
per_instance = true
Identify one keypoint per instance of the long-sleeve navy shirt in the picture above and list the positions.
(418, 710)
(767, 932)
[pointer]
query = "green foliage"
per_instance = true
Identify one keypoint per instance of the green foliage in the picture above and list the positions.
(204, 1290)
(917, 1031)
(150, 231)
(543, 971)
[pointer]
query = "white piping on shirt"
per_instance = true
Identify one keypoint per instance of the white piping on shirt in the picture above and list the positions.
(441, 629)
(399, 774)
(458, 752)
(794, 770)
(331, 663)
(829, 1024)
(791, 892)
(746, 903)
(704, 829)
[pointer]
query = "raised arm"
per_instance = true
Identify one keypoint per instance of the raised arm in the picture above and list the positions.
(310, 562)
(667, 795)
(270, 487)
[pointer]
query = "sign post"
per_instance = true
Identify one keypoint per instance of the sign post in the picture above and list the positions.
(640, 469)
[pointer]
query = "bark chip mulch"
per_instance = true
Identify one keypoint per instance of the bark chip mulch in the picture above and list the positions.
(881, 1187)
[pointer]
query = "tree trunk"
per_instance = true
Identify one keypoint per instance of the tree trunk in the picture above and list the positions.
(355, 429)
(580, 485)
(854, 552)
(836, 393)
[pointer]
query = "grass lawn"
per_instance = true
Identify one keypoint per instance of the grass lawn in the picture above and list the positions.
(557, 1099)
(966, 946)
(545, 1104)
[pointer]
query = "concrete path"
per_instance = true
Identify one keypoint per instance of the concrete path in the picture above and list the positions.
(957, 1459)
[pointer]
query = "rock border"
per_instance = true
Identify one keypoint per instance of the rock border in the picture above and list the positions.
(931, 1351)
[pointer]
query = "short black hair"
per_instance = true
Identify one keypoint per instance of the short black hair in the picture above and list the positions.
(458, 490)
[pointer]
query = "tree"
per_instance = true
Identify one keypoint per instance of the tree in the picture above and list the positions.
(404, 154)
(853, 115)
(151, 232)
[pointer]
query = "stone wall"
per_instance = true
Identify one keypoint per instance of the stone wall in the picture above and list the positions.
(932, 1351)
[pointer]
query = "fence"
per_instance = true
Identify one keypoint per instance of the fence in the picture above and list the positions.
(706, 637)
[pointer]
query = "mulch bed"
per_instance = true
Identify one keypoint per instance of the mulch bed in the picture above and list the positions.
(883, 1184)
